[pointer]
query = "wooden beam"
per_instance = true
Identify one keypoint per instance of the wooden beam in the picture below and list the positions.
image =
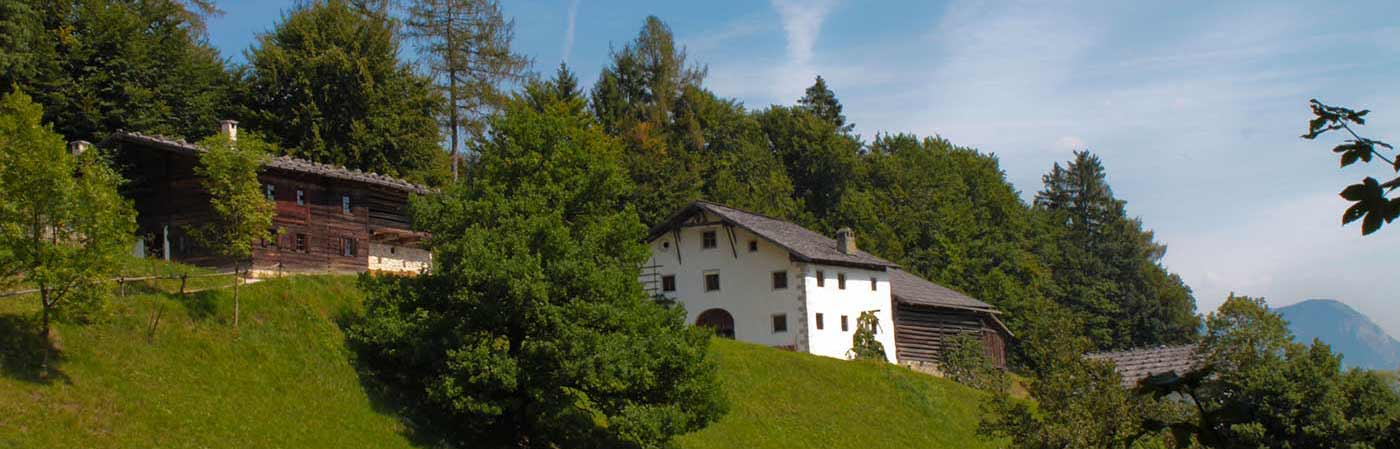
(730, 229)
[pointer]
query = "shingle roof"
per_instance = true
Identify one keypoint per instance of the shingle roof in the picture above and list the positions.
(907, 287)
(1135, 365)
(287, 163)
(803, 243)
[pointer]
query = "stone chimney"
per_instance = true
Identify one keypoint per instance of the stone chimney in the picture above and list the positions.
(77, 147)
(846, 241)
(229, 127)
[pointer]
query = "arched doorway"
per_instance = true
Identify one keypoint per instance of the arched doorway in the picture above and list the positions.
(719, 320)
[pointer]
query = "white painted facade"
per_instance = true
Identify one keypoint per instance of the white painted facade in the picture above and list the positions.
(747, 291)
(398, 258)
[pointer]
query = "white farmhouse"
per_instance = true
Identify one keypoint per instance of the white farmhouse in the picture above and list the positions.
(763, 280)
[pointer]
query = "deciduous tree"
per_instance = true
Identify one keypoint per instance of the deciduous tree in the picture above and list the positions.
(327, 85)
(63, 225)
(531, 329)
(1371, 198)
(228, 171)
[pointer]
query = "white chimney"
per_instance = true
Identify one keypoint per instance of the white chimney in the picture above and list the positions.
(77, 147)
(230, 128)
(846, 241)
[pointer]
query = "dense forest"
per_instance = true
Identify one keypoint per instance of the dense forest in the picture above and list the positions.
(328, 83)
(531, 330)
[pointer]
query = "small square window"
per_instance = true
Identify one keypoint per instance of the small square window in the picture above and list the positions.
(301, 197)
(780, 279)
(711, 282)
(348, 246)
(668, 283)
(821, 324)
(843, 324)
(841, 281)
(780, 323)
(345, 203)
(270, 191)
(753, 246)
(821, 278)
(874, 285)
(301, 243)
(708, 240)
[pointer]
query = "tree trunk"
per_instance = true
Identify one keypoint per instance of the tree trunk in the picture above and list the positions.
(451, 61)
(48, 344)
(235, 297)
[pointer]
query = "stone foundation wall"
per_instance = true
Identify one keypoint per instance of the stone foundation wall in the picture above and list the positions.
(398, 259)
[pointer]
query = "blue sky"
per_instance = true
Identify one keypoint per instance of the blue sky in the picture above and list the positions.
(1195, 107)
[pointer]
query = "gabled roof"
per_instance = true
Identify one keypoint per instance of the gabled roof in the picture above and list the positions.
(287, 163)
(804, 244)
(908, 288)
(1136, 365)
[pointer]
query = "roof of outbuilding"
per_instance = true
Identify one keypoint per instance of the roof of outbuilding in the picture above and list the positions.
(906, 287)
(287, 163)
(1136, 365)
(803, 243)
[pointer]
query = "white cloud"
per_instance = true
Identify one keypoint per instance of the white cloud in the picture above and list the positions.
(802, 22)
(569, 30)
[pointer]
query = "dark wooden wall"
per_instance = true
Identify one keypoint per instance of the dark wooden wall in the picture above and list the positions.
(166, 191)
(922, 333)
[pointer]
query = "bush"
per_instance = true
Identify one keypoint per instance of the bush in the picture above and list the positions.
(965, 361)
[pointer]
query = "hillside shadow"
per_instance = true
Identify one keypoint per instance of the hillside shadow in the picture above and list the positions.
(201, 305)
(384, 399)
(22, 347)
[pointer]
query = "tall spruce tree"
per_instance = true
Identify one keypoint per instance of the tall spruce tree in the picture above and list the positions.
(1107, 267)
(822, 102)
(466, 44)
(531, 330)
(683, 142)
(327, 85)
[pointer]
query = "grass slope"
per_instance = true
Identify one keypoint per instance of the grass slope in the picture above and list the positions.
(286, 381)
(781, 399)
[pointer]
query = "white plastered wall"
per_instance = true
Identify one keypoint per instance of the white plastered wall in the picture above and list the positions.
(398, 258)
(747, 293)
(833, 303)
(746, 281)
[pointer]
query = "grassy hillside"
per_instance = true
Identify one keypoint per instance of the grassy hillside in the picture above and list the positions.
(286, 381)
(781, 399)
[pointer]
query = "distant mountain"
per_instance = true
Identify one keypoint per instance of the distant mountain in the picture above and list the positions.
(1362, 343)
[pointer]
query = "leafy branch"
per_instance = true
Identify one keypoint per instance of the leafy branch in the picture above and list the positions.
(1371, 198)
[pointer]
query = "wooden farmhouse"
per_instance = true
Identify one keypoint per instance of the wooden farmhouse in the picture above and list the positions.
(768, 281)
(328, 219)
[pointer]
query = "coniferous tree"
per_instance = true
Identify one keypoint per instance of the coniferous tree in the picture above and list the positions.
(683, 142)
(467, 46)
(531, 329)
(822, 102)
(1107, 267)
(327, 85)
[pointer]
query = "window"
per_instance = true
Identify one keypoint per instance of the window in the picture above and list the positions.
(347, 246)
(301, 243)
(779, 323)
(753, 246)
(393, 250)
(668, 283)
(841, 281)
(271, 239)
(843, 324)
(707, 240)
(301, 197)
(873, 284)
(779, 280)
(711, 282)
(821, 278)
(345, 203)
(820, 323)
(270, 191)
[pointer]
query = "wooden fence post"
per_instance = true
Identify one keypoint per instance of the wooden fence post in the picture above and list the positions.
(121, 285)
(183, 277)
